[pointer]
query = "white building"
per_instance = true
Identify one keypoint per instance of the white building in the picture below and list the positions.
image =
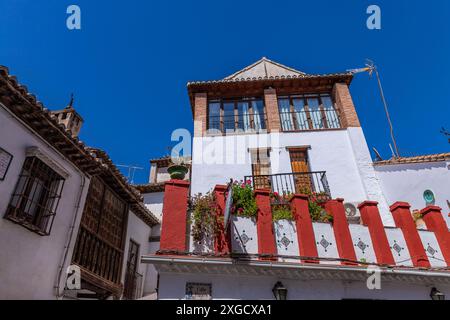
(420, 181)
(63, 204)
(290, 132)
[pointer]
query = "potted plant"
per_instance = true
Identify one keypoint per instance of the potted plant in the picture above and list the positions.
(177, 171)
(204, 221)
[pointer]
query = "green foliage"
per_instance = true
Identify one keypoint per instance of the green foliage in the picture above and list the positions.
(282, 213)
(244, 203)
(204, 217)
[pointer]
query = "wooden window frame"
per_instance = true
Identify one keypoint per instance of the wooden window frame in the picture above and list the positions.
(235, 102)
(304, 97)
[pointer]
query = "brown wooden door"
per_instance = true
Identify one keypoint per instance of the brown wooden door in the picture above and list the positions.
(300, 169)
(261, 169)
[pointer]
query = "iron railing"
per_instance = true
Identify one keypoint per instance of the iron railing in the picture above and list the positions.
(241, 122)
(311, 183)
(303, 120)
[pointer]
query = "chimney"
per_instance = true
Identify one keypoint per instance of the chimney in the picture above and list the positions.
(71, 120)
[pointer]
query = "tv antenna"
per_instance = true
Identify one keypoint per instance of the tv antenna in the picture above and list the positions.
(131, 171)
(371, 68)
(445, 133)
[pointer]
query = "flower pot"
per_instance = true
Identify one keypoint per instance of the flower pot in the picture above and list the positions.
(177, 171)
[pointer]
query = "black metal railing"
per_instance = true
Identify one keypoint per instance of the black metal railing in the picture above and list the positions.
(311, 183)
(303, 120)
(132, 286)
(241, 122)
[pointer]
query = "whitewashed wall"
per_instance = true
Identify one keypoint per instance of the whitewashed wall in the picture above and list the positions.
(29, 262)
(407, 182)
(154, 202)
(343, 154)
(139, 232)
(260, 287)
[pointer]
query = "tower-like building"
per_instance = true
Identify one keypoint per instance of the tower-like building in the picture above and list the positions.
(283, 129)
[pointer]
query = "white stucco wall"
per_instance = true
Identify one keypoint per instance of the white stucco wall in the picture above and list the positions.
(29, 262)
(154, 202)
(172, 286)
(139, 232)
(343, 154)
(407, 182)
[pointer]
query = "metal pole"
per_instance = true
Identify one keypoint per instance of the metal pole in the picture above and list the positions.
(387, 112)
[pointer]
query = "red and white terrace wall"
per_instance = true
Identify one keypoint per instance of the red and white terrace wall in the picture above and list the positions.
(303, 242)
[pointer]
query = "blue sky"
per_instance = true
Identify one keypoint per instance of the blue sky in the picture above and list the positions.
(129, 64)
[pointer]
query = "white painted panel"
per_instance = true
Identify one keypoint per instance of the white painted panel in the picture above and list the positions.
(325, 242)
(398, 246)
(244, 238)
(432, 249)
(362, 243)
(286, 239)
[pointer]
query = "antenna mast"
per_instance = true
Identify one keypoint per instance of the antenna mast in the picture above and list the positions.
(131, 171)
(370, 67)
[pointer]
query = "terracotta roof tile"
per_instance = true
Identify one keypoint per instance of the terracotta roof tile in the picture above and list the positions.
(416, 159)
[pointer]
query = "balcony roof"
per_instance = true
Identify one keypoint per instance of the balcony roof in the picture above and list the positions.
(289, 270)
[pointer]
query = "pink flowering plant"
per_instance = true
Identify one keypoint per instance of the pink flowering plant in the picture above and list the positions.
(244, 203)
(205, 216)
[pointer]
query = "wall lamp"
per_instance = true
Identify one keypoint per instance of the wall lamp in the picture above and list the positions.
(279, 291)
(435, 294)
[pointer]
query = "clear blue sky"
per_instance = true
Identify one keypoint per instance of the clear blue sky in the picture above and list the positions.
(129, 64)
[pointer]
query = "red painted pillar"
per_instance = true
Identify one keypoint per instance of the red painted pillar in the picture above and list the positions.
(266, 235)
(342, 234)
(222, 244)
(404, 220)
(174, 216)
(435, 222)
(305, 231)
(371, 217)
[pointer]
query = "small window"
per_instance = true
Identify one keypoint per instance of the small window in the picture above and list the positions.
(36, 197)
(428, 196)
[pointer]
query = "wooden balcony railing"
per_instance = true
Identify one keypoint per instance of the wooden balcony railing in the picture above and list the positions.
(96, 256)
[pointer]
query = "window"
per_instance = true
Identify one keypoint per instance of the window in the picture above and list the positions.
(36, 197)
(429, 198)
(261, 168)
(307, 112)
(240, 115)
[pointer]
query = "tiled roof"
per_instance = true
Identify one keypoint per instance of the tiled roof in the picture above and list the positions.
(265, 69)
(264, 78)
(416, 159)
(16, 98)
(150, 187)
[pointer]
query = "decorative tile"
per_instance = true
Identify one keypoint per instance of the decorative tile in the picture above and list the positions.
(432, 251)
(243, 238)
(285, 241)
(397, 248)
(361, 245)
(324, 243)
